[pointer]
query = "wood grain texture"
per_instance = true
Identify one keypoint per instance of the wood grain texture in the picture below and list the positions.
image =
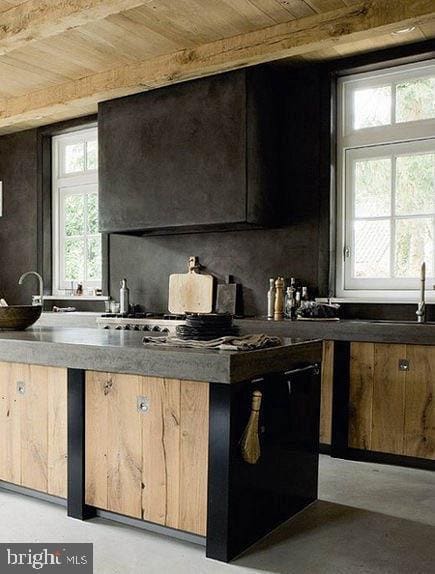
(190, 293)
(151, 465)
(161, 452)
(34, 430)
(57, 432)
(10, 422)
(326, 392)
(194, 413)
(186, 59)
(35, 20)
(124, 441)
(33, 439)
(388, 399)
(362, 360)
(96, 438)
(420, 402)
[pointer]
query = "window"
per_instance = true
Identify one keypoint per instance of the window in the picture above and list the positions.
(386, 182)
(76, 241)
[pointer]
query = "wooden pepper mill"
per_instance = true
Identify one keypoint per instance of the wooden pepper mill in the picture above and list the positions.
(278, 313)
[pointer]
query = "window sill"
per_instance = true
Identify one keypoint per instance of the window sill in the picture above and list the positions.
(77, 297)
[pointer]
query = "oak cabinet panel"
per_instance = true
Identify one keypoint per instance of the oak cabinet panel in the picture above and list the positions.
(392, 410)
(419, 440)
(326, 392)
(388, 399)
(33, 427)
(149, 464)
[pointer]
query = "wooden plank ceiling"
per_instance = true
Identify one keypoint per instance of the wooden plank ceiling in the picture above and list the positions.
(52, 63)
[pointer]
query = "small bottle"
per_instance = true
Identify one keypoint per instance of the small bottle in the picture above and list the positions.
(124, 297)
(278, 311)
(271, 298)
(297, 299)
(289, 303)
(304, 295)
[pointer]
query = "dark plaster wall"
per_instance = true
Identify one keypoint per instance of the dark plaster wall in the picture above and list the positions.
(252, 256)
(18, 226)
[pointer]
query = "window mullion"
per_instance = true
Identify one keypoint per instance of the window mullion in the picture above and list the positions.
(393, 218)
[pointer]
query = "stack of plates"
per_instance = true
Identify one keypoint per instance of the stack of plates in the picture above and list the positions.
(207, 327)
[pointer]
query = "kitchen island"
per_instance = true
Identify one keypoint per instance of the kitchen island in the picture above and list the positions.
(152, 435)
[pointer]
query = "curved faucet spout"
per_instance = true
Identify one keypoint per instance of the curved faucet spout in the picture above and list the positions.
(36, 299)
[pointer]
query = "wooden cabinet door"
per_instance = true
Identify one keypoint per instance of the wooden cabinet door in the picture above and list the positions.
(388, 399)
(113, 443)
(362, 363)
(33, 423)
(150, 464)
(10, 421)
(419, 439)
(326, 392)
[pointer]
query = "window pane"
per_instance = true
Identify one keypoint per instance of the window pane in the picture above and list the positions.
(372, 107)
(415, 100)
(372, 249)
(92, 155)
(94, 258)
(414, 244)
(74, 215)
(415, 180)
(372, 187)
(74, 158)
(74, 251)
(93, 213)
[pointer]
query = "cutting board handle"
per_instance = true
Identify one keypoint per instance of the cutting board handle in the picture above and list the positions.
(194, 265)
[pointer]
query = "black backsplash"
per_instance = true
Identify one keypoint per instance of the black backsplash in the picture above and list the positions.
(251, 256)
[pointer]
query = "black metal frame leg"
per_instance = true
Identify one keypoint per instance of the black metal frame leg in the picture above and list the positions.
(77, 508)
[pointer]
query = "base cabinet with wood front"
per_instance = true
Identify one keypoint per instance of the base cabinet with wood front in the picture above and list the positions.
(392, 405)
(33, 427)
(147, 448)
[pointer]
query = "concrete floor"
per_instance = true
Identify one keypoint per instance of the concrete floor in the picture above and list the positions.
(369, 519)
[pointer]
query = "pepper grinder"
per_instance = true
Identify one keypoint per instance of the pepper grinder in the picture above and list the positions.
(278, 314)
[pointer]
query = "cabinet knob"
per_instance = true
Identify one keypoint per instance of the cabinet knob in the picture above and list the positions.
(21, 387)
(142, 404)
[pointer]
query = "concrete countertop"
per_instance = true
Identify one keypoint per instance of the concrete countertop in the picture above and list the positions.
(124, 352)
(345, 330)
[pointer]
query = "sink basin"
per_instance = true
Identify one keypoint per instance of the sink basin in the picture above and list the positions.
(19, 317)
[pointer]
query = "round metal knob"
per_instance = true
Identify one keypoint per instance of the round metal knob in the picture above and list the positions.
(156, 328)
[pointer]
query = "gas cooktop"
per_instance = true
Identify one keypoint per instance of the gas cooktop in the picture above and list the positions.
(151, 322)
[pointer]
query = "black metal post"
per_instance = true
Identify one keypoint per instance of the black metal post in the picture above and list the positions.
(77, 508)
(340, 400)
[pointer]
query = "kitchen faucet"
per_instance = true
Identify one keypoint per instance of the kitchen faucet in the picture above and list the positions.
(36, 299)
(421, 309)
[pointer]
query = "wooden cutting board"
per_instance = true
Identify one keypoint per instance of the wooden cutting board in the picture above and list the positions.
(190, 292)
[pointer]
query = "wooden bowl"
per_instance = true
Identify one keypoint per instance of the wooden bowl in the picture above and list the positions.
(19, 317)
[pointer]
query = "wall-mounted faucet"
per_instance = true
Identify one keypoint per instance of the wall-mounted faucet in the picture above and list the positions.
(36, 299)
(421, 309)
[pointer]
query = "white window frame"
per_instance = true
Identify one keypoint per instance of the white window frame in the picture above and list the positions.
(64, 185)
(393, 139)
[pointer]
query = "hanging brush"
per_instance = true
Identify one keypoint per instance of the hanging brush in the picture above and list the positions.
(250, 441)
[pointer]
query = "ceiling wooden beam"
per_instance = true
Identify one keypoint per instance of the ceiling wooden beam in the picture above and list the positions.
(38, 19)
(295, 38)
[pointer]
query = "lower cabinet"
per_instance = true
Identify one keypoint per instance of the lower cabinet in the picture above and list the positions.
(33, 427)
(392, 390)
(326, 392)
(147, 448)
